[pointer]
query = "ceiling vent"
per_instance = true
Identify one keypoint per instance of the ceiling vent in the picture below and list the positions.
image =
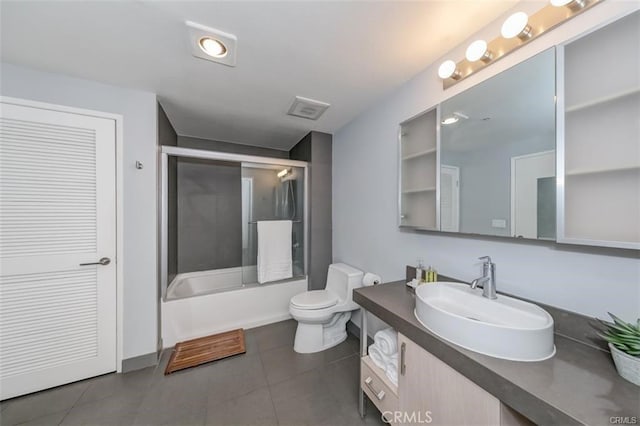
(307, 108)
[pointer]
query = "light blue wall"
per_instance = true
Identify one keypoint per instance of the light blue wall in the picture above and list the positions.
(365, 183)
(139, 110)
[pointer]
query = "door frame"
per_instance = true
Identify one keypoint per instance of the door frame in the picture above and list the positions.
(512, 190)
(119, 175)
(457, 196)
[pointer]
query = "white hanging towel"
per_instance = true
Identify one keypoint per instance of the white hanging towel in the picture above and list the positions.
(274, 250)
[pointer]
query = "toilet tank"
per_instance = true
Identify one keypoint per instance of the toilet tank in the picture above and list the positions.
(342, 279)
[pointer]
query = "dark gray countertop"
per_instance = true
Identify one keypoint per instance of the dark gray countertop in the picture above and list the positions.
(579, 385)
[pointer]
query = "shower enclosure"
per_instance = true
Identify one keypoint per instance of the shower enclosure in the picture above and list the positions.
(211, 203)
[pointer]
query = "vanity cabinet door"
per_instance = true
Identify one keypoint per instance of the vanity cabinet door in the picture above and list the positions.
(428, 389)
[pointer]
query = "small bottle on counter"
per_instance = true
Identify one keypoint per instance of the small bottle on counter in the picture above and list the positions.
(432, 275)
(419, 272)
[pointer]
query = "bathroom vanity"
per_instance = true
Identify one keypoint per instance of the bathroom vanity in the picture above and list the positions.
(442, 383)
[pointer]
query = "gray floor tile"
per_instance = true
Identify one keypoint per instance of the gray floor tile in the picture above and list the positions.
(251, 341)
(347, 348)
(235, 377)
(304, 399)
(275, 335)
(348, 415)
(283, 363)
(133, 384)
(343, 378)
(33, 406)
(179, 399)
(115, 410)
(48, 420)
(271, 384)
(253, 408)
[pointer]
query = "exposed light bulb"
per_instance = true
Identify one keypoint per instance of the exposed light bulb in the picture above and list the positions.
(448, 69)
(516, 25)
(571, 4)
(213, 47)
(478, 51)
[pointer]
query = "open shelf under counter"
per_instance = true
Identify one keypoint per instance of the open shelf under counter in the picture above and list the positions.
(419, 154)
(583, 172)
(603, 100)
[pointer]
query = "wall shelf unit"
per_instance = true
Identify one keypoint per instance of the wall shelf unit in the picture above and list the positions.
(621, 169)
(599, 138)
(418, 190)
(419, 154)
(418, 166)
(603, 100)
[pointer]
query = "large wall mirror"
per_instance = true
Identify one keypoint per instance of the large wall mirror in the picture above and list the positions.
(498, 154)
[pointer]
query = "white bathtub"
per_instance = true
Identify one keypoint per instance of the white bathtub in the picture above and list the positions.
(201, 303)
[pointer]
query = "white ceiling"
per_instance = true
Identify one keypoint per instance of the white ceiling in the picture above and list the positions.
(347, 53)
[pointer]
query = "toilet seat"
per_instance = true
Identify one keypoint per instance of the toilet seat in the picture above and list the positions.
(315, 299)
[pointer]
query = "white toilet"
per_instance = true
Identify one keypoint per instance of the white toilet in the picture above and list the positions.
(322, 315)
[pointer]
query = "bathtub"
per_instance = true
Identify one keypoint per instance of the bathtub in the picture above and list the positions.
(201, 303)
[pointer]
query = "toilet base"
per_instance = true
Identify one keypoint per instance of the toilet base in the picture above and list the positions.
(311, 338)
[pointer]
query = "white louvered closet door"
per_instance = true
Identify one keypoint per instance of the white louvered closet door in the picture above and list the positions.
(57, 211)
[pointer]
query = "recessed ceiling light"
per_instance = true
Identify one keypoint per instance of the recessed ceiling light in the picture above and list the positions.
(450, 120)
(211, 44)
(213, 47)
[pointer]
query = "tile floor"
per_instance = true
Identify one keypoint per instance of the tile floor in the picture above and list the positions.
(269, 385)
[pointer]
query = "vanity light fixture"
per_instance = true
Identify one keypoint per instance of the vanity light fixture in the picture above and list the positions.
(571, 4)
(516, 31)
(517, 25)
(448, 70)
(478, 51)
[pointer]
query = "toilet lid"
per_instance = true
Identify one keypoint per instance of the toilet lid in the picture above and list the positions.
(315, 299)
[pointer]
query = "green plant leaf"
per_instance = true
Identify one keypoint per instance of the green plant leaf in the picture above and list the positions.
(624, 325)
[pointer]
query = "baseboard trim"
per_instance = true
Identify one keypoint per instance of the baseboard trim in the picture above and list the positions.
(139, 362)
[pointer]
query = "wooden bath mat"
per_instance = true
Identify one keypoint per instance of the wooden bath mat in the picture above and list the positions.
(206, 349)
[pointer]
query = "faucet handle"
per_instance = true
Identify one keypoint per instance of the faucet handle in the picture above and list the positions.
(486, 259)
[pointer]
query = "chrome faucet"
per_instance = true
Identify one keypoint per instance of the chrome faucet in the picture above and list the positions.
(488, 279)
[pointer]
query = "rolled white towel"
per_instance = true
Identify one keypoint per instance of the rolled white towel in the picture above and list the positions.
(392, 372)
(387, 341)
(378, 358)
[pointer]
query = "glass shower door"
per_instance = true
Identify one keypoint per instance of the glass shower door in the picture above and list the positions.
(271, 192)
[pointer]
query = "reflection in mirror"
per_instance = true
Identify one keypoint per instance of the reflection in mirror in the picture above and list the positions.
(497, 163)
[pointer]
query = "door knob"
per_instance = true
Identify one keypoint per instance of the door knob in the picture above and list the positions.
(104, 262)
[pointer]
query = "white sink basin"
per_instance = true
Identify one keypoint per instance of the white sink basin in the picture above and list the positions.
(504, 328)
